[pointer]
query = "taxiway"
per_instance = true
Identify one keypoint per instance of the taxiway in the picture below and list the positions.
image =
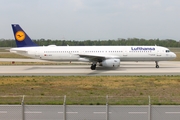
(126, 68)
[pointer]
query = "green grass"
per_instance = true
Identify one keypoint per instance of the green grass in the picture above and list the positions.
(4, 49)
(175, 49)
(177, 56)
(10, 55)
(81, 90)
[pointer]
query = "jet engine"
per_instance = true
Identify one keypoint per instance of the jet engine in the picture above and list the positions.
(110, 63)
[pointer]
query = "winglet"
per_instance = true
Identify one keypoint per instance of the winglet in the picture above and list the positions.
(22, 39)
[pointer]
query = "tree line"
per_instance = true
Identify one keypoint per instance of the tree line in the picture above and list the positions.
(119, 42)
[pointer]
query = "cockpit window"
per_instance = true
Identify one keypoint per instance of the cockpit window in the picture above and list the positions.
(168, 51)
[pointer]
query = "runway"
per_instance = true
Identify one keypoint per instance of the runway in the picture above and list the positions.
(89, 112)
(126, 69)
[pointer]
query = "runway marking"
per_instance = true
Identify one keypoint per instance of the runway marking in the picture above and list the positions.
(69, 112)
(3, 112)
(100, 112)
(32, 112)
(137, 112)
(72, 112)
(172, 112)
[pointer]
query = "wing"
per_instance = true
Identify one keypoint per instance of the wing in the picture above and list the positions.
(98, 58)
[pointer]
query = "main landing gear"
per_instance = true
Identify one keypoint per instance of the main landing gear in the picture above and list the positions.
(93, 66)
(157, 66)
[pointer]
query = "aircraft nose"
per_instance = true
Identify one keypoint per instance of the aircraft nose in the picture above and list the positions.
(173, 55)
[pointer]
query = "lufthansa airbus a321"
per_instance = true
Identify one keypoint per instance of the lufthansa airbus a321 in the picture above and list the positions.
(106, 56)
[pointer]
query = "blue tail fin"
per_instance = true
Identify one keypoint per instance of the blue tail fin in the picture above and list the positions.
(22, 39)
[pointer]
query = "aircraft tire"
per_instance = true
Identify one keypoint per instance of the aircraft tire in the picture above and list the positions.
(93, 67)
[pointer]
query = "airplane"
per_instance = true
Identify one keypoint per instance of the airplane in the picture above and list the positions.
(106, 56)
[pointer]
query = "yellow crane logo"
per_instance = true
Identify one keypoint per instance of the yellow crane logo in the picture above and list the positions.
(20, 35)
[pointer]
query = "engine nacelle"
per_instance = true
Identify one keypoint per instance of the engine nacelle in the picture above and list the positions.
(110, 63)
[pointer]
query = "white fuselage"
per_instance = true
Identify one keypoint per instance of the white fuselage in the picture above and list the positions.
(73, 53)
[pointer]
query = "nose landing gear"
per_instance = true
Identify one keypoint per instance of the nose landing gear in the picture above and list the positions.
(157, 66)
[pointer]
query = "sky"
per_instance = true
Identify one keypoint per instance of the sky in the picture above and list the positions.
(91, 19)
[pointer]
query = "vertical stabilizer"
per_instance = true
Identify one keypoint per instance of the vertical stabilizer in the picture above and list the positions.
(22, 39)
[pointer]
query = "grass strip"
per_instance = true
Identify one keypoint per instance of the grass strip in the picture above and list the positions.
(91, 90)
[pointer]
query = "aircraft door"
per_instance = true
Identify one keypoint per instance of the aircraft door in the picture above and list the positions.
(125, 52)
(158, 53)
(37, 54)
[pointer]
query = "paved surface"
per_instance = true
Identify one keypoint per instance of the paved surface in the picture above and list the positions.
(20, 60)
(126, 68)
(89, 112)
